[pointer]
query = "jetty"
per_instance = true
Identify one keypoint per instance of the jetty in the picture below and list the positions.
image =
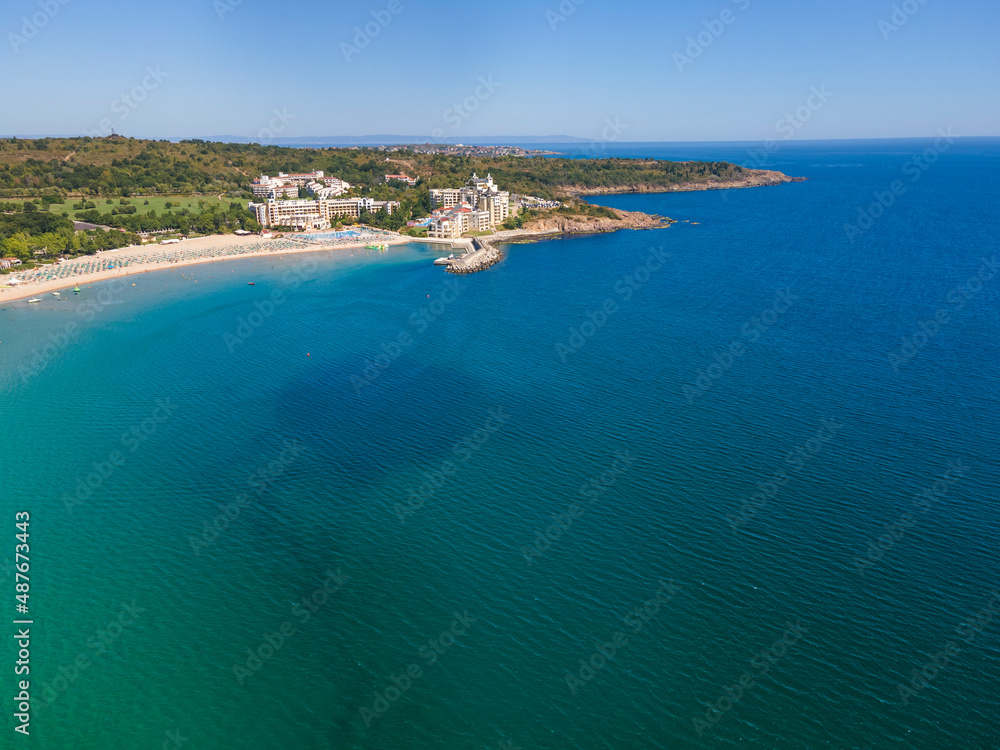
(481, 256)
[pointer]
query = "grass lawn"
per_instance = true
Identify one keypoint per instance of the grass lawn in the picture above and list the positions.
(157, 203)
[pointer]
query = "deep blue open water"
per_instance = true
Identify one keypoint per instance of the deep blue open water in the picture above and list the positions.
(490, 475)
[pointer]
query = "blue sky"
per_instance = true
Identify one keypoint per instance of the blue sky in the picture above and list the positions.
(259, 69)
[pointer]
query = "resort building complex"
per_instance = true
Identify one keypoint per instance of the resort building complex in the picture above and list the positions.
(451, 223)
(287, 185)
(473, 208)
(271, 188)
(477, 207)
(315, 214)
(328, 188)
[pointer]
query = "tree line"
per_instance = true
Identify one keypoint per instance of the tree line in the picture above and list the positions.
(126, 167)
(32, 234)
(48, 170)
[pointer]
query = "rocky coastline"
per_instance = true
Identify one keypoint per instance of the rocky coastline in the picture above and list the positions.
(751, 178)
(556, 224)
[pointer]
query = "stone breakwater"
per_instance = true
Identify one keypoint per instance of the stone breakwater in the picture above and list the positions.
(478, 260)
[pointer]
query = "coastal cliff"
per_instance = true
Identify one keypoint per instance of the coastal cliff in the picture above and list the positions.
(577, 217)
(584, 218)
(485, 252)
(747, 179)
(556, 223)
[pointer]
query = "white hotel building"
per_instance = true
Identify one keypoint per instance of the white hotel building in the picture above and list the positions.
(287, 185)
(315, 215)
(328, 188)
(452, 223)
(474, 208)
(271, 188)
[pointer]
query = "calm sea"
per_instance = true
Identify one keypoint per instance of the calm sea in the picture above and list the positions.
(727, 484)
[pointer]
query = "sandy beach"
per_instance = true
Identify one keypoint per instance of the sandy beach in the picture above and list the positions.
(129, 261)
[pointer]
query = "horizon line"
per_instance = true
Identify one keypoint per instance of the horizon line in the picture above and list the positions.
(494, 140)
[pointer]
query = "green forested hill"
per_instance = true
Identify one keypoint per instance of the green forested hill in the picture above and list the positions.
(136, 186)
(114, 167)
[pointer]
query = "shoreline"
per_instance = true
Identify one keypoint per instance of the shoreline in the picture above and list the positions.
(230, 247)
(67, 283)
(488, 253)
(753, 178)
(566, 226)
(555, 225)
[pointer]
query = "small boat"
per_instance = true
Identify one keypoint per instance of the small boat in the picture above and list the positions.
(34, 299)
(76, 291)
(252, 284)
(55, 294)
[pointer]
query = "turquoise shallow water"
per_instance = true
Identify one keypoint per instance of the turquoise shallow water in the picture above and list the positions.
(195, 397)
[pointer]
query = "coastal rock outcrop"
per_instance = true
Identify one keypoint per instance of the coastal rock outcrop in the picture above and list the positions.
(750, 178)
(556, 223)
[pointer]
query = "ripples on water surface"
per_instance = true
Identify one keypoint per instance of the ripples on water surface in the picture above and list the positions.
(276, 410)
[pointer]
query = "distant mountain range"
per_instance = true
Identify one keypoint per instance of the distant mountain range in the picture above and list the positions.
(394, 140)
